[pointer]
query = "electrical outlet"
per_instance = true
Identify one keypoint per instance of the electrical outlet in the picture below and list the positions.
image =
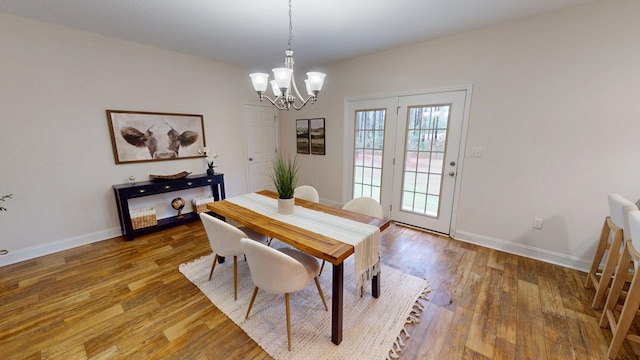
(537, 223)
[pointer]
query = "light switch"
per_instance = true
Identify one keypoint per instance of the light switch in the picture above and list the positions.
(476, 152)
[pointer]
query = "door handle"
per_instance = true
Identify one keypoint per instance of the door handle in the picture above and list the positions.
(452, 173)
(453, 163)
(250, 159)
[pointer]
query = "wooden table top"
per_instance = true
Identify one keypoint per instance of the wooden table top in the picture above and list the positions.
(320, 246)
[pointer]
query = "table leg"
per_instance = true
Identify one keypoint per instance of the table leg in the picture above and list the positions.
(375, 286)
(336, 303)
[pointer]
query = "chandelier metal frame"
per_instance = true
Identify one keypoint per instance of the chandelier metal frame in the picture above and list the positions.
(285, 81)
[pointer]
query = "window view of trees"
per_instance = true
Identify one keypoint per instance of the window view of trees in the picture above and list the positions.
(424, 155)
(425, 142)
(369, 143)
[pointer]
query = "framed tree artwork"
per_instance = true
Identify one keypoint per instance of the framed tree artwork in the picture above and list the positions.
(302, 136)
(316, 136)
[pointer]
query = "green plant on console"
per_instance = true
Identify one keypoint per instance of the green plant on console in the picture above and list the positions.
(284, 174)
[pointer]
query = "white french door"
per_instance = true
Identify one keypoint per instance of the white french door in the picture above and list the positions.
(428, 136)
(404, 153)
(368, 161)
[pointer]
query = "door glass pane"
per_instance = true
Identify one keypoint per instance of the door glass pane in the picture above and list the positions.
(369, 143)
(425, 141)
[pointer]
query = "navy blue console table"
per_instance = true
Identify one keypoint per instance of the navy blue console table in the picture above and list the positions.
(124, 192)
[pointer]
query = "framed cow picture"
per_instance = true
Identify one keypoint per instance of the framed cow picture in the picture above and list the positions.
(138, 136)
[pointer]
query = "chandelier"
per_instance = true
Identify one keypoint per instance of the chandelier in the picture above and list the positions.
(284, 86)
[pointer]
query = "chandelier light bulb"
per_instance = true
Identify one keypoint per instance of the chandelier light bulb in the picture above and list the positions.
(316, 80)
(309, 91)
(283, 77)
(260, 81)
(275, 88)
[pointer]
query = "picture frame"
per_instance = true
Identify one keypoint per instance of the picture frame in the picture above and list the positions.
(317, 136)
(302, 136)
(140, 136)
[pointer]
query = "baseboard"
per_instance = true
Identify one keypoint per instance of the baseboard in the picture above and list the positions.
(513, 248)
(552, 257)
(45, 249)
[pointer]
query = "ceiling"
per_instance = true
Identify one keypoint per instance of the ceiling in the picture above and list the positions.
(254, 33)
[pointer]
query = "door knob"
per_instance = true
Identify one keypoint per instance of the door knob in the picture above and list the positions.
(250, 159)
(451, 173)
(453, 163)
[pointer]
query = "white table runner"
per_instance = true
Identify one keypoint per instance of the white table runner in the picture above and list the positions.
(365, 238)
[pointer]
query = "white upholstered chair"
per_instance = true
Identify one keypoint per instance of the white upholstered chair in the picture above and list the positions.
(306, 192)
(628, 268)
(225, 241)
(366, 206)
(280, 271)
(612, 237)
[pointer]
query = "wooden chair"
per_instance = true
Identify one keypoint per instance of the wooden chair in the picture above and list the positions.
(280, 271)
(629, 260)
(611, 238)
(224, 239)
(306, 192)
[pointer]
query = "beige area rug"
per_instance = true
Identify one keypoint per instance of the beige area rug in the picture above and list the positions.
(372, 329)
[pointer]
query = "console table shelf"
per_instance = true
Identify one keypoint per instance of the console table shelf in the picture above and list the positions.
(124, 192)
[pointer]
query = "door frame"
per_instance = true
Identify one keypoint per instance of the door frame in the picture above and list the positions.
(348, 139)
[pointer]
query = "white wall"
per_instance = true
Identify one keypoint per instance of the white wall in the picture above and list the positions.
(55, 149)
(555, 108)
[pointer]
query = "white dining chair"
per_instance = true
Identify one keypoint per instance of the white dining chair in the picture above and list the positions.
(366, 206)
(280, 271)
(612, 237)
(224, 239)
(306, 192)
(628, 268)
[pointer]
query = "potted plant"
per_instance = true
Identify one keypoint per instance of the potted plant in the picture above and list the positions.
(209, 157)
(284, 174)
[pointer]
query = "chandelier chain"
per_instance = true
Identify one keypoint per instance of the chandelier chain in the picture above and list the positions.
(290, 26)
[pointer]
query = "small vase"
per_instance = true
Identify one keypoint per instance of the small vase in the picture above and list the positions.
(285, 206)
(209, 171)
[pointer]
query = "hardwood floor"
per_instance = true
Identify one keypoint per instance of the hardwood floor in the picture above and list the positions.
(120, 299)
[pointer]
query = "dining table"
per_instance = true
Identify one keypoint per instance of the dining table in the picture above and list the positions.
(307, 239)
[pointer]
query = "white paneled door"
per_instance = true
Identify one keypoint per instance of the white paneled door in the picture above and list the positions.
(262, 142)
(404, 153)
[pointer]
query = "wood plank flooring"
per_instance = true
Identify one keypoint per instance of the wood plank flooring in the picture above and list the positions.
(119, 299)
